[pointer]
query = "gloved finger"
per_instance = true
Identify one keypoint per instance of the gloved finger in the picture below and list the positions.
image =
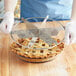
(9, 28)
(67, 40)
(73, 38)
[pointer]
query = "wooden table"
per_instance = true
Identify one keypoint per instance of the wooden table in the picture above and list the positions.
(10, 65)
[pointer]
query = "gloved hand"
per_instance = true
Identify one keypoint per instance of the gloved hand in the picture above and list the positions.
(70, 32)
(7, 23)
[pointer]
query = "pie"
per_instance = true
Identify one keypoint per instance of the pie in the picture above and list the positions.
(36, 55)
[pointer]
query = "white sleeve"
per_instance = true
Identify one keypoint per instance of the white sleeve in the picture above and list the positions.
(73, 15)
(10, 5)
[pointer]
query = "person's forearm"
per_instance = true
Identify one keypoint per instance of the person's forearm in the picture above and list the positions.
(73, 15)
(10, 5)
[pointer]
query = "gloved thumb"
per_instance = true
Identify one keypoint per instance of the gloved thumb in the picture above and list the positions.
(6, 26)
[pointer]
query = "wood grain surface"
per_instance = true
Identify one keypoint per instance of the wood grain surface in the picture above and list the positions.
(10, 65)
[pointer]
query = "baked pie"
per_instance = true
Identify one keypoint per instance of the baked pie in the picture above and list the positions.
(36, 55)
